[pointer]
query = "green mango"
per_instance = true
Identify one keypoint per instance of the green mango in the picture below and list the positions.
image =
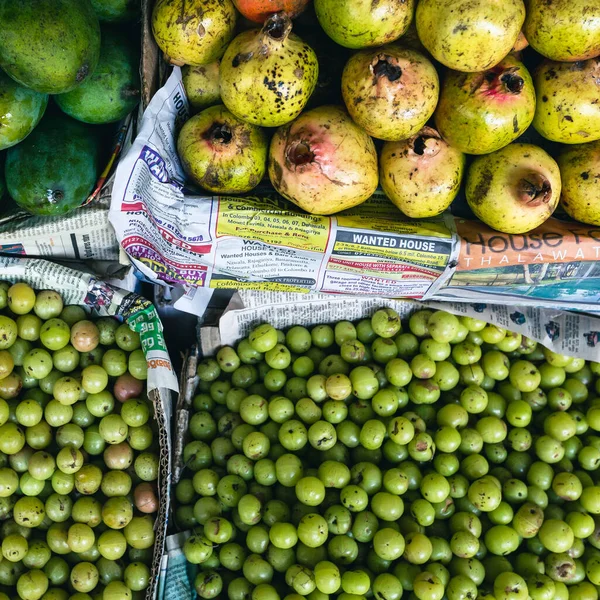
(54, 170)
(113, 90)
(117, 11)
(20, 111)
(50, 46)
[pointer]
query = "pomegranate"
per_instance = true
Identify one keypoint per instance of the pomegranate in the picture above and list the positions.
(580, 172)
(323, 161)
(568, 107)
(202, 85)
(514, 189)
(391, 92)
(564, 30)
(520, 44)
(479, 113)
(421, 175)
(469, 35)
(268, 75)
(222, 153)
(364, 23)
(193, 32)
(260, 10)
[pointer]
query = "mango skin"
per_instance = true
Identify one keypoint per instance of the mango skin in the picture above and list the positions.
(113, 90)
(580, 172)
(564, 30)
(117, 11)
(51, 46)
(54, 170)
(458, 32)
(193, 32)
(492, 187)
(568, 101)
(364, 23)
(20, 111)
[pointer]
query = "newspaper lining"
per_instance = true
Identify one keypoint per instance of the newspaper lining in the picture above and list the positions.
(82, 288)
(563, 332)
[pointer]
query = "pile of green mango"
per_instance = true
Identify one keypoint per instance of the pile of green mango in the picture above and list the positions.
(66, 68)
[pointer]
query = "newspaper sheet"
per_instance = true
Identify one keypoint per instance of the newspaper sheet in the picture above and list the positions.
(557, 264)
(82, 288)
(564, 332)
(84, 234)
(178, 237)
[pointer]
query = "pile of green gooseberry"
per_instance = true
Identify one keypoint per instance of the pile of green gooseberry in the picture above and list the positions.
(441, 458)
(78, 453)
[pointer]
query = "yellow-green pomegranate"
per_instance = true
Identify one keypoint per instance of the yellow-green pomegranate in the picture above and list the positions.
(580, 172)
(568, 101)
(222, 153)
(364, 23)
(202, 85)
(469, 35)
(515, 189)
(323, 161)
(479, 113)
(421, 175)
(193, 32)
(564, 30)
(268, 75)
(391, 92)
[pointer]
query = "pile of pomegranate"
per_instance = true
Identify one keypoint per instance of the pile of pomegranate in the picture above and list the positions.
(333, 98)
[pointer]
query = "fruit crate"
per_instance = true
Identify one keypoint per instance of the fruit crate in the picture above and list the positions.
(103, 299)
(249, 309)
(369, 251)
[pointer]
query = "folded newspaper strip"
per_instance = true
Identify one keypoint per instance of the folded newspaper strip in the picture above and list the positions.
(177, 237)
(563, 332)
(82, 288)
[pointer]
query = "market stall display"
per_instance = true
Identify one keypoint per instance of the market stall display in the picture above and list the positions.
(176, 221)
(410, 453)
(84, 437)
(464, 70)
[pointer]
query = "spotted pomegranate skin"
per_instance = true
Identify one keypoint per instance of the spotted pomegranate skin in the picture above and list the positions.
(479, 113)
(391, 92)
(514, 189)
(323, 162)
(421, 175)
